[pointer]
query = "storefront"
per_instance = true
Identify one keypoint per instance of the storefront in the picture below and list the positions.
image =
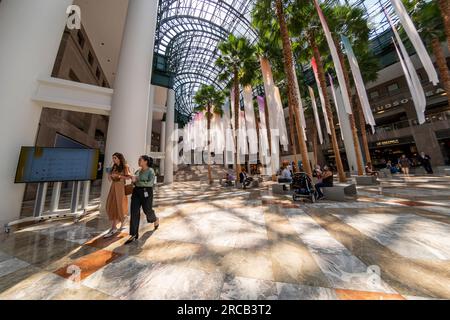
(393, 149)
(443, 138)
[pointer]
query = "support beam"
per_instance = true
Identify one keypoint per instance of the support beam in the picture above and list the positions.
(127, 132)
(170, 131)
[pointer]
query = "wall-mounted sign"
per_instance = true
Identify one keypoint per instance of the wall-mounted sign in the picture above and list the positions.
(387, 142)
(397, 103)
(392, 142)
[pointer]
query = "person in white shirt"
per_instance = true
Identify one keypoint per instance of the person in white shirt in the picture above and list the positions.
(286, 176)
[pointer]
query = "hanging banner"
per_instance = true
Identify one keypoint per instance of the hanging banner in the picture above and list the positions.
(414, 83)
(420, 113)
(359, 83)
(321, 97)
(276, 113)
(335, 56)
(415, 39)
(250, 120)
(316, 114)
(228, 133)
(333, 92)
(264, 150)
(242, 137)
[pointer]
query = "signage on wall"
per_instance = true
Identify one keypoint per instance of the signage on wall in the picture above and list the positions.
(397, 103)
(392, 142)
(74, 19)
(387, 142)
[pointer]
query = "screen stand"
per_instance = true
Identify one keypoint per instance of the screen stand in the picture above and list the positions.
(86, 191)
(75, 202)
(40, 200)
(56, 194)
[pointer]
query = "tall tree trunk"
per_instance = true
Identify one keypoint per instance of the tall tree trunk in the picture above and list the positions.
(292, 84)
(314, 143)
(269, 134)
(323, 84)
(362, 126)
(236, 121)
(208, 121)
(444, 7)
(351, 116)
(442, 65)
(292, 134)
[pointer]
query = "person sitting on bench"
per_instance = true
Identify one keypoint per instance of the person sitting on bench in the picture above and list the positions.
(286, 176)
(370, 171)
(244, 179)
(325, 182)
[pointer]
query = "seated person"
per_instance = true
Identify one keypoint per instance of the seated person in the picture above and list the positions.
(229, 178)
(244, 179)
(286, 176)
(326, 181)
(317, 172)
(370, 171)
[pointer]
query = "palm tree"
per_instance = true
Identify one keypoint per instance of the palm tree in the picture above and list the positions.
(426, 17)
(210, 101)
(444, 8)
(305, 24)
(263, 11)
(351, 21)
(238, 62)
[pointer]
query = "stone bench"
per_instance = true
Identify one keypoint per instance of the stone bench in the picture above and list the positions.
(278, 188)
(339, 192)
(366, 180)
(385, 173)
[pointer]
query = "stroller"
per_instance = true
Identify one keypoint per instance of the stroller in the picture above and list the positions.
(303, 187)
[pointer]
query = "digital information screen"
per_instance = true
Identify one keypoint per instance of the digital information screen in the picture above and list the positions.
(56, 165)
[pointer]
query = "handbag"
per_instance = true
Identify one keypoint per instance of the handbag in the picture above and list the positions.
(129, 189)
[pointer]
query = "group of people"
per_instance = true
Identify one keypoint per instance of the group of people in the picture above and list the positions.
(324, 177)
(141, 189)
(404, 164)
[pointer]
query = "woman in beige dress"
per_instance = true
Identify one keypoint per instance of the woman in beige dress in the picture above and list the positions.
(117, 202)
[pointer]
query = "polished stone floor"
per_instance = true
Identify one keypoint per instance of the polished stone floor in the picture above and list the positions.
(392, 242)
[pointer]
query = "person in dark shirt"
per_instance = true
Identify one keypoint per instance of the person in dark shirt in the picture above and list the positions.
(326, 181)
(425, 160)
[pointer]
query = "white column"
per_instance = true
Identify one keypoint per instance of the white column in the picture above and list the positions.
(163, 145)
(127, 132)
(170, 131)
(150, 119)
(30, 35)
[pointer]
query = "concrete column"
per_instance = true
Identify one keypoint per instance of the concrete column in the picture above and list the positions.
(127, 131)
(151, 104)
(170, 131)
(163, 145)
(30, 34)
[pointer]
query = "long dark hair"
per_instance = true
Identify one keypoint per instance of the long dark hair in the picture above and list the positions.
(148, 159)
(120, 167)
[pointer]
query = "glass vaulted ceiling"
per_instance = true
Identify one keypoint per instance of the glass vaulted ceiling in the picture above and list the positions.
(188, 33)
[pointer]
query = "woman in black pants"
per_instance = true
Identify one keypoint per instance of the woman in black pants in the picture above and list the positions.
(142, 197)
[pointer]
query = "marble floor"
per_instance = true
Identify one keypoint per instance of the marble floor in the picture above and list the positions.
(392, 242)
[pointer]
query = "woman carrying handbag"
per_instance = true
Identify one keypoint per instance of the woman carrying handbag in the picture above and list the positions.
(117, 202)
(142, 197)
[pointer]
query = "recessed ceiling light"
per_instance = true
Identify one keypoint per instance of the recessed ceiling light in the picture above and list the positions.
(103, 43)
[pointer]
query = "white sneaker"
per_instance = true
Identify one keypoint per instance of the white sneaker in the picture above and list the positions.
(110, 233)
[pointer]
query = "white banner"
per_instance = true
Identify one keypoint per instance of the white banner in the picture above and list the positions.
(335, 56)
(250, 120)
(416, 41)
(359, 83)
(316, 114)
(333, 93)
(321, 97)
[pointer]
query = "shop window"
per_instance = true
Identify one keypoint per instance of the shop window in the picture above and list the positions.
(73, 76)
(81, 39)
(393, 87)
(374, 94)
(90, 58)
